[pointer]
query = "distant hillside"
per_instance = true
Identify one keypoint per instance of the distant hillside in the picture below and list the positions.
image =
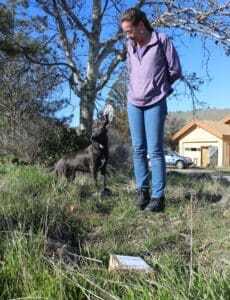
(202, 114)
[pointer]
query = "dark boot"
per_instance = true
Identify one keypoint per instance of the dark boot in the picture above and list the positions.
(156, 204)
(143, 198)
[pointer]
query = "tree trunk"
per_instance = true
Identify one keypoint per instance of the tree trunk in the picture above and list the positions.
(89, 91)
(87, 106)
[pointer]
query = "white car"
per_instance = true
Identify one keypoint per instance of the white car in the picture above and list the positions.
(176, 160)
(173, 159)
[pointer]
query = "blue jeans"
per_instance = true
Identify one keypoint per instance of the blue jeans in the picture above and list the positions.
(147, 131)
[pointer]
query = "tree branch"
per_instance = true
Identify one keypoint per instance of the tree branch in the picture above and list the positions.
(118, 58)
(65, 43)
(194, 19)
(76, 21)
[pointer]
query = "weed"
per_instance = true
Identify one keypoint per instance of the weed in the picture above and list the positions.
(56, 238)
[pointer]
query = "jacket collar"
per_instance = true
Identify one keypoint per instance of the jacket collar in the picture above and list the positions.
(152, 41)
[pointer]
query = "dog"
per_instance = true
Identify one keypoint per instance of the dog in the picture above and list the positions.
(92, 159)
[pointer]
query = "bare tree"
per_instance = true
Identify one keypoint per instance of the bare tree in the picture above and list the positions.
(172, 125)
(209, 18)
(27, 107)
(87, 53)
(86, 41)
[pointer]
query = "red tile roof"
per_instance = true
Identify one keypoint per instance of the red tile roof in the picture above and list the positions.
(226, 120)
(221, 128)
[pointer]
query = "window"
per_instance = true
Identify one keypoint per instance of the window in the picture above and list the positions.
(192, 149)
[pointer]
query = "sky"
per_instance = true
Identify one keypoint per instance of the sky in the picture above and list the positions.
(215, 91)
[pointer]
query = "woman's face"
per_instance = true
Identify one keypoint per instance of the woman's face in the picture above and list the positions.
(132, 32)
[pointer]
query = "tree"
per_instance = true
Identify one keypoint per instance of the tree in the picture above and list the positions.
(85, 38)
(6, 25)
(172, 125)
(11, 43)
(118, 90)
(87, 77)
(27, 107)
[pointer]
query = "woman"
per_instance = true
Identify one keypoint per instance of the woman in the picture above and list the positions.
(153, 65)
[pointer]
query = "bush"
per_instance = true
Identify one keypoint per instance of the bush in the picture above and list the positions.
(62, 140)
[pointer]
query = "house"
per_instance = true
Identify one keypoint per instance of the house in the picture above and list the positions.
(206, 142)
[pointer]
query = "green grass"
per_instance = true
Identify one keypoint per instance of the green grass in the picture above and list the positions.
(48, 251)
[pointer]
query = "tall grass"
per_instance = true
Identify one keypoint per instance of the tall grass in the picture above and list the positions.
(48, 251)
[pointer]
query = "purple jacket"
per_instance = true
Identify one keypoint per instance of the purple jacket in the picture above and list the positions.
(150, 78)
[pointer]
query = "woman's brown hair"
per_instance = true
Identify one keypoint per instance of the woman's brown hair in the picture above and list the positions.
(135, 15)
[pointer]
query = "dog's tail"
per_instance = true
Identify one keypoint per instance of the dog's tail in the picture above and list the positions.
(48, 169)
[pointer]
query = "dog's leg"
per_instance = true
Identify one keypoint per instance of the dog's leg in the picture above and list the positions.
(106, 192)
(103, 172)
(94, 176)
(70, 174)
(105, 181)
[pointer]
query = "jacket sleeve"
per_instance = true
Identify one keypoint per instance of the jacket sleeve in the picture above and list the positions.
(128, 61)
(174, 66)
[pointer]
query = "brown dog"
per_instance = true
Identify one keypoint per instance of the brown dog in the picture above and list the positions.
(91, 159)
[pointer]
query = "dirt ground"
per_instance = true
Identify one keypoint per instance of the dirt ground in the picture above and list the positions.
(214, 174)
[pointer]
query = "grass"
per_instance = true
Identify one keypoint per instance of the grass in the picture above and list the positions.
(55, 238)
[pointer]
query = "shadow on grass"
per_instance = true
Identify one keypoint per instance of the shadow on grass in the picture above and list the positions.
(201, 186)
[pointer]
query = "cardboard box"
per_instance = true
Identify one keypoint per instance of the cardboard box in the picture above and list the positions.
(128, 263)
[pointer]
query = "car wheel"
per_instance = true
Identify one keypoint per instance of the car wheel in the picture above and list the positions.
(180, 164)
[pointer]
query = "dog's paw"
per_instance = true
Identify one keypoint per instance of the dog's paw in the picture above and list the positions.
(106, 193)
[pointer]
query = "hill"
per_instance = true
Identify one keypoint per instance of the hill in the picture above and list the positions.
(201, 114)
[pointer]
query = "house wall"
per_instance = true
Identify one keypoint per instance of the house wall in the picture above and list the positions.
(226, 153)
(197, 142)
